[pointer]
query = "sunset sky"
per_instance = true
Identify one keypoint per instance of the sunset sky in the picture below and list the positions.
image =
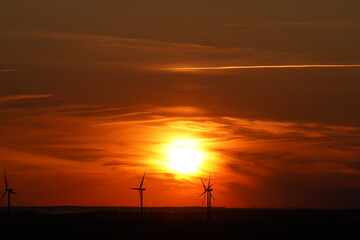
(263, 94)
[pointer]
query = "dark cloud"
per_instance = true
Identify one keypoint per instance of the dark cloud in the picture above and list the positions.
(355, 165)
(122, 161)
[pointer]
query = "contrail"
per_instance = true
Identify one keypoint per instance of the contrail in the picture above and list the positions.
(265, 66)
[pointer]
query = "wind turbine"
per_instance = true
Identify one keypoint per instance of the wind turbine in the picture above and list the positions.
(141, 189)
(9, 191)
(208, 195)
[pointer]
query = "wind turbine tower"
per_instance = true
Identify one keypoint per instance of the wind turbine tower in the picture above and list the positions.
(208, 195)
(9, 191)
(141, 190)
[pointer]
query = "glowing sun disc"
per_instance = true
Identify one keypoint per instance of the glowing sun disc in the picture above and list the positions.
(184, 156)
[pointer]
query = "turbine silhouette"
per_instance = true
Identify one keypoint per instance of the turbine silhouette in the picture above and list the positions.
(9, 191)
(208, 195)
(141, 189)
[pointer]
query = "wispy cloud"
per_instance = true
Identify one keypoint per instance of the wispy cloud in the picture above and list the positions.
(252, 152)
(7, 70)
(24, 97)
(294, 24)
(98, 136)
(268, 66)
(152, 54)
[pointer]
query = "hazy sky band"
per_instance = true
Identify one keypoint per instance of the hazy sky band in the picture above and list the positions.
(268, 66)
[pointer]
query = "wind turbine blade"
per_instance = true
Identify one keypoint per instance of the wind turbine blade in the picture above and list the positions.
(202, 194)
(13, 192)
(202, 183)
(142, 180)
(2, 196)
(6, 185)
(209, 180)
(204, 200)
(212, 196)
(134, 188)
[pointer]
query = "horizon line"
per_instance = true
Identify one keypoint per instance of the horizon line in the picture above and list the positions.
(198, 206)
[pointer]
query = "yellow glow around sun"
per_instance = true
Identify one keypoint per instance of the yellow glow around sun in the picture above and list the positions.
(184, 156)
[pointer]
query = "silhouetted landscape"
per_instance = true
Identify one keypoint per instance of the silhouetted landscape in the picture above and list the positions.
(178, 223)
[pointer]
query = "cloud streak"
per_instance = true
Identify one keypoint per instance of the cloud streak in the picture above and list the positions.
(24, 97)
(7, 70)
(266, 66)
(152, 54)
(292, 24)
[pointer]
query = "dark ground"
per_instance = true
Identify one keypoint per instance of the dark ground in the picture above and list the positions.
(182, 223)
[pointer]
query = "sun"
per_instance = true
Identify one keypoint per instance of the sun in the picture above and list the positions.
(184, 156)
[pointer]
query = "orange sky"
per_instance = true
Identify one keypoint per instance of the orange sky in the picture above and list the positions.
(93, 95)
